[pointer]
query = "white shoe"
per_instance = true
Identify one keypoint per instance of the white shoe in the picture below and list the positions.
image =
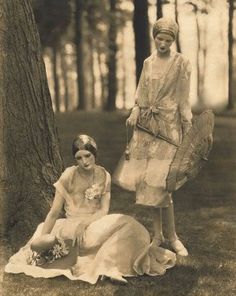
(179, 248)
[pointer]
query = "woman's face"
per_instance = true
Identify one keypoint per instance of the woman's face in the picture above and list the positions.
(85, 160)
(163, 42)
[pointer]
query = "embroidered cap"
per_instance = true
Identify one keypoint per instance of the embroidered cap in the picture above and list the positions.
(165, 25)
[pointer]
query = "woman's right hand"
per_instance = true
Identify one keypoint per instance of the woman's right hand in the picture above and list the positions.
(131, 121)
(80, 233)
(133, 118)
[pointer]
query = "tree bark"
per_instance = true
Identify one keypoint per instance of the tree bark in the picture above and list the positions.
(55, 79)
(89, 80)
(64, 69)
(230, 56)
(178, 47)
(30, 159)
(79, 52)
(141, 33)
(112, 51)
(102, 77)
(199, 90)
(159, 9)
(124, 80)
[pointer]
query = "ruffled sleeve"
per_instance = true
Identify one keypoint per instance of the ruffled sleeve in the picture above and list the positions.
(63, 184)
(183, 87)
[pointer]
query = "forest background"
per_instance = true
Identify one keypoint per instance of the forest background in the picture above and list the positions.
(94, 50)
(72, 66)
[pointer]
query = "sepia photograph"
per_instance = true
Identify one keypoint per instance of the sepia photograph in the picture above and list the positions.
(117, 150)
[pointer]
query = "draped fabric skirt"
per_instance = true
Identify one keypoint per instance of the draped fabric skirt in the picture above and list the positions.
(115, 246)
(146, 170)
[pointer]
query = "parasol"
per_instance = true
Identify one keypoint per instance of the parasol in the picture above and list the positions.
(193, 152)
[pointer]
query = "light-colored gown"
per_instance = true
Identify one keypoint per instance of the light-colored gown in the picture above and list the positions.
(115, 245)
(165, 92)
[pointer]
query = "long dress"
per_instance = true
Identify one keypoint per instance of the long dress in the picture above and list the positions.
(164, 95)
(115, 245)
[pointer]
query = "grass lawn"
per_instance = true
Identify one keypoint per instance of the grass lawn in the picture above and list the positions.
(205, 218)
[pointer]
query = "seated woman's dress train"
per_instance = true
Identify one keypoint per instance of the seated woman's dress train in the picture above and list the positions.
(112, 245)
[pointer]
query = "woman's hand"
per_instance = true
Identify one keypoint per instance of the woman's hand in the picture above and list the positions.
(131, 121)
(133, 118)
(80, 233)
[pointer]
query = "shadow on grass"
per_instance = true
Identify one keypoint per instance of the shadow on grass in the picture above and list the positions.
(178, 281)
(182, 280)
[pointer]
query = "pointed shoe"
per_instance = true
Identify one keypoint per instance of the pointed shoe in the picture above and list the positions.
(179, 248)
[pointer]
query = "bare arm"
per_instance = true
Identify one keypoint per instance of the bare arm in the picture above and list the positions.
(140, 96)
(183, 97)
(53, 213)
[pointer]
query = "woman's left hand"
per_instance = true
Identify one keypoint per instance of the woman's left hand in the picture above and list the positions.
(80, 233)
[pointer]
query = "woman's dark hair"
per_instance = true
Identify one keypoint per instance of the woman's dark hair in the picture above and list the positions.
(84, 142)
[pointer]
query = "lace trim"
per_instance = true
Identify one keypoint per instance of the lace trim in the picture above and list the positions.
(144, 146)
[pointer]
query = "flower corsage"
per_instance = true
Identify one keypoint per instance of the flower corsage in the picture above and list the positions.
(93, 192)
(59, 250)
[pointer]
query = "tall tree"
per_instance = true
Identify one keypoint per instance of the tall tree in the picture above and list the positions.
(201, 8)
(52, 16)
(230, 55)
(111, 63)
(159, 9)
(178, 48)
(195, 8)
(64, 71)
(30, 160)
(79, 9)
(141, 34)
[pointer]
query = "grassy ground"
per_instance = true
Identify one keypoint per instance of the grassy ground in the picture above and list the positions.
(205, 216)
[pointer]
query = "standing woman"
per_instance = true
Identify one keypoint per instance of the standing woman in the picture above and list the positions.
(162, 105)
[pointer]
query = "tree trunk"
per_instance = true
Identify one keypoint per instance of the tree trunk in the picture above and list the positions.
(230, 56)
(30, 160)
(204, 60)
(123, 61)
(159, 9)
(102, 77)
(55, 79)
(178, 48)
(79, 52)
(198, 59)
(89, 82)
(64, 69)
(199, 72)
(112, 51)
(141, 33)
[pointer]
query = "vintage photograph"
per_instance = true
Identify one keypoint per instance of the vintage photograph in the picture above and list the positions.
(117, 150)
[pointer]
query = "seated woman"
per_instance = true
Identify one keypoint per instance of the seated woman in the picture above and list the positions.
(88, 243)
